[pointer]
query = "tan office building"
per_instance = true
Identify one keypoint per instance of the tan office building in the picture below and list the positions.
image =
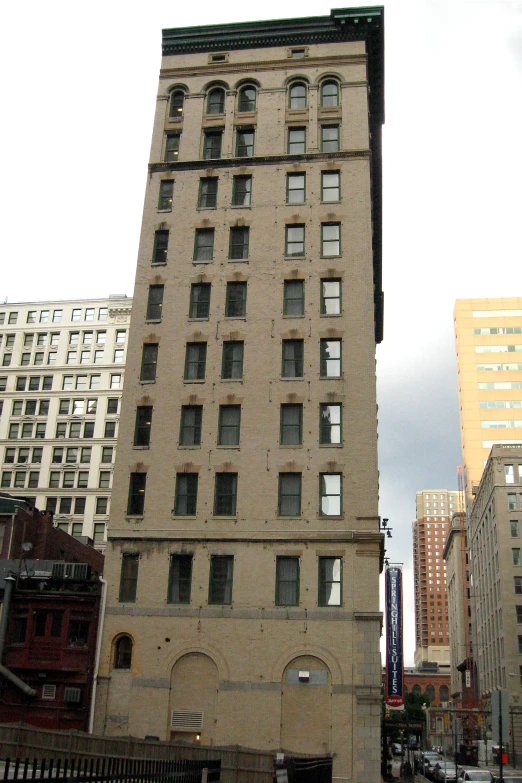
(244, 547)
(488, 335)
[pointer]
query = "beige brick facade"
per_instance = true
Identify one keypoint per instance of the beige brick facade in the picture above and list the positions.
(254, 659)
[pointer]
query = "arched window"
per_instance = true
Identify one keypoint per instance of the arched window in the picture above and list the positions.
(123, 653)
(176, 104)
(416, 690)
(430, 693)
(329, 94)
(247, 99)
(297, 96)
(444, 693)
(216, 101)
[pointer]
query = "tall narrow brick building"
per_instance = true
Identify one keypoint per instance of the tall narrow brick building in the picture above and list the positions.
(244, 548)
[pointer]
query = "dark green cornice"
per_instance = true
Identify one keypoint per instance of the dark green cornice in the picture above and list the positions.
(343, 25)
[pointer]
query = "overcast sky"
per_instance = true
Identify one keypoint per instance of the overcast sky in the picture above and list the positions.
(79, 85)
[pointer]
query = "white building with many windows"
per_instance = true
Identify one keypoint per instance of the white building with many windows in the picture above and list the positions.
(61, 375)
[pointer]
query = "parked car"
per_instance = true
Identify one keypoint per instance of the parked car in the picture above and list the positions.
(429, 760)
(444, 771)
(474, 773)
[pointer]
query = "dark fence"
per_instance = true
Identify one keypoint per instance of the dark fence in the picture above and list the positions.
(309, 770)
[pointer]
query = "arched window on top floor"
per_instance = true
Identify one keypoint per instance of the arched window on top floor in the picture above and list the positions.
(177, 99)
(430, 693)
(247, 98)
(416, 690)
(297, 95)
(216, 101)
(123, 652)
(444, 693)
(329, 93)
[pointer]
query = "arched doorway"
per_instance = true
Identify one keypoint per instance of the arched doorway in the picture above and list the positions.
(306, 706)
(193, 688)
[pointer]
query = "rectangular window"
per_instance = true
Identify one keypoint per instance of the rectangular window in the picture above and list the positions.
(221, 576)
(86, 455)
(172, 147)
(31, 317)
(21, 382)
(6, 360)
(166, 192)
(25, 359)
(180, 577)
(295, 188)
(186, 499)
(99, 533)
(89, 314)
(102, 505)
(129, 577)
(287, 581)
(47, 383)
(225, 495)
(17, 408)
(107, 452)
(515, 552)
(65, 507)
(330, 358)
(242, 191)
(10, 456)
(6, 479)
(293, 359)
(91, 406)
(57, 316)
(294, 241)
(37, 455)
(296, 141)
(23, 455)
(330, 138)
(101, 337)
(330, 429)
(74, 429)
(103, 313)
(136, 502)
(330, 584)
(293, 297)
(68, 479)
(190, 427)
(112, 405)
(512, 501)
(509, 473)
(330, 490)
(143, 425)
(330, 239)
(204, 245)
(88, 430)
(64, 407)
(155, 302)
(291, 425)
(212, 144)
(76, 315)
(245, 143)
(13, 431)
(235, 305)
(83, 479)
(115, 382)
(149, 362)
(289, 495)
(195, 361)
(199, 300)
(514, 528)
(239, 239)
(19, 480)
(208, 188)
(330, 297)
(232, 364)
(229, 425)
(109, 430)
(330, 186)
(27, 430)
(3, 383)
(105, 479)
(161, 246)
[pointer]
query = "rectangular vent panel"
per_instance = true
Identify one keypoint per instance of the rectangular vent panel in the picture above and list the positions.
(186, 720)
(72, 695)
(49, 692)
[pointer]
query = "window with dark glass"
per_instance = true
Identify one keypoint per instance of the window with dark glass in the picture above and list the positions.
(330, 491)
(149, 362)
(330, 186)
(293, 354)
(79, 505)
(296, 141)
(330, 581)
(129, 577)
(287, 581)
(161, 246)
(204, 244)
(190, 427)
(180, 578)
(220, 582)
(235, 305)
(123, 653)
(216, 101)
(40, 622)
(65, 506)
(330, 425)
(185, 502)
(155, 302)
(88, 430)
(293, 297)
(330, 239)
(166, 193)
(330, 297)
(232, 365)
(242, 191)
(247, 99)
(225, 496)
(289, 495)
(330, 358)
(136, 502)
(208, 188)
(212, 144)
(199, 300)
(295, 188)
(239, 238)
(295, 241)
(172, 147)
(297, 96)
(291, 424)
(177, 99)
(329, 94)
(229, 425)
(18, 629)
(102, 505)
(195, 361)
(245, 143)
(112, 405)
(143, 425)
(43, 408)
(330, 138)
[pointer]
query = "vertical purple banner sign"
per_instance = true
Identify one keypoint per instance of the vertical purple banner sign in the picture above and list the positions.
(394, 694)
